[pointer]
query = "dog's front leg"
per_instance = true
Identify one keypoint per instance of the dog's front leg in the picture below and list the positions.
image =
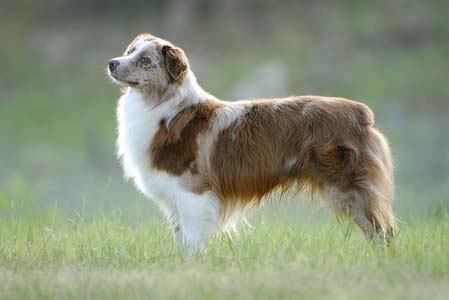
(175, 225)
(199, 219)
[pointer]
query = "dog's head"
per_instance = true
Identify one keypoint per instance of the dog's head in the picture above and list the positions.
(149, 62)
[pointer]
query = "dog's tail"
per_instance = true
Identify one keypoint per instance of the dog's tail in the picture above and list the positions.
(379, 189)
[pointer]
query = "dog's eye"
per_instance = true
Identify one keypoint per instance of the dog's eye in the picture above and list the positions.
(145, 60)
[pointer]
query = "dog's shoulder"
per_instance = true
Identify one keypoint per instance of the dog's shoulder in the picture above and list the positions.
(174, 146)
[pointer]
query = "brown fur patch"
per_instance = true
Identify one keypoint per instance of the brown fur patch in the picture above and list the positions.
(174, 148)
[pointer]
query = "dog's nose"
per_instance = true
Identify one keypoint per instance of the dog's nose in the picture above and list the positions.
(113, 64)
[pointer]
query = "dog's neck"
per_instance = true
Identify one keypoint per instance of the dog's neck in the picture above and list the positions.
(179, 95)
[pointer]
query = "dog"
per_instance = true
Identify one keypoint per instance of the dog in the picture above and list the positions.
(205, 162)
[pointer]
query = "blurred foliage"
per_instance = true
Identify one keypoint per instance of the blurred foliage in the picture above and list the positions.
(57, 106)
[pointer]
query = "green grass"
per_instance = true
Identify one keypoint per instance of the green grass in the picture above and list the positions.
(113, 258)
(58, 143)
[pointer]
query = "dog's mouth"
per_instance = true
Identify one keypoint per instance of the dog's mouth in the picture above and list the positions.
(121, 81)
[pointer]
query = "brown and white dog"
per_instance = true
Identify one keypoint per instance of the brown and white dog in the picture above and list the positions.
(205, 161)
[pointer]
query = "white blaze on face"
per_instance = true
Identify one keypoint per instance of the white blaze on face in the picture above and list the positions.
(138, 48)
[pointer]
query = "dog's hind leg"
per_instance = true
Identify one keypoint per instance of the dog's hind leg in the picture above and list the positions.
(360, 183)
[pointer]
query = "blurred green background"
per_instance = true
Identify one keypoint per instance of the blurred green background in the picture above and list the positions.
(57, 107)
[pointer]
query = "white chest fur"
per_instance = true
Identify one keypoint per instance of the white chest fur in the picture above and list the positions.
(137, 125)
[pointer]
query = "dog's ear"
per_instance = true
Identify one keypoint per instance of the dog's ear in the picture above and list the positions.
(175, 62)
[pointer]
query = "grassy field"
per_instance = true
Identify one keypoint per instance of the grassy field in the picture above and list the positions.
(71, 227)
(54, 257)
